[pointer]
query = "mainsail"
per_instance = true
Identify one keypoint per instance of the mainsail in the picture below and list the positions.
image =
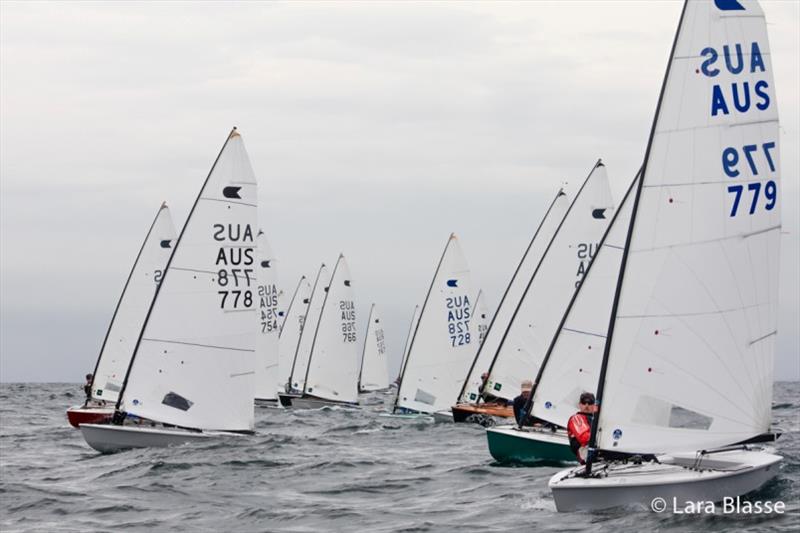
(267, 322)
(443, 342)
(290, 330)
(572, 363)
(514, 292)
(689, 360)
(297, 375)
(129, 316)
(374, 370)
(544, 300)
(195, 359)
(333, 364)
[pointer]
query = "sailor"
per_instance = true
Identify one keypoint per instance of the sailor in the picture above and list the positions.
(579, 426)
(87, 388)
(521, 400)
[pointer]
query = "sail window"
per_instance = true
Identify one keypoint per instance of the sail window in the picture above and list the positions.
(173, 399)
(424, 397)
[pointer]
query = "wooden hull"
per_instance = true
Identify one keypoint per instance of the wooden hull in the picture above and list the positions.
(89, 415)
(529, 446)
(482, 414)
(677, 480)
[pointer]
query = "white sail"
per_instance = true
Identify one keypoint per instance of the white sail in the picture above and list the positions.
(576, 354)
(374, 367)
(297, 375)
(513, 295)
(443, 343)
(195, 360)
(267, 322)
(538, 313)
(291, 328)
(692, 343)
(129, 316)
(412, 327)
(333, 366)
(482, 321)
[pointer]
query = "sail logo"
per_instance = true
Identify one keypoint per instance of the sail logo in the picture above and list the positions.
(728, 5)
(738, 96)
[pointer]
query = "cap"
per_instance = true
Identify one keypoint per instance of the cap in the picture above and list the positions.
(527, 385)
(587, 398)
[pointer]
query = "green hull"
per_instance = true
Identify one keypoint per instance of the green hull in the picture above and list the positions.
(511, 446)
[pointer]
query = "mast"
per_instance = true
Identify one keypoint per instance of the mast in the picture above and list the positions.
(502, 300)
(424, 304)
(364, 351)
(231, 135)
(529, 404)
(122, 296)
(316, 329)
(599, 163)
(300, 337)
(609, 337)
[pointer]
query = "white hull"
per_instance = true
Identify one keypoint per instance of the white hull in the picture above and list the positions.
(271, 402)
(677, 480)
(107, 438)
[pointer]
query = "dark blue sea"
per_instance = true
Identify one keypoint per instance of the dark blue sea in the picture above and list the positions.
(323, 470)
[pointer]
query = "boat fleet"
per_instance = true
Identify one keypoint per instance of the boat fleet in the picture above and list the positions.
(664, 306)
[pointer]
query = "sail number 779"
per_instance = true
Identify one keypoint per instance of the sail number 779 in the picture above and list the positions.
(750, 156)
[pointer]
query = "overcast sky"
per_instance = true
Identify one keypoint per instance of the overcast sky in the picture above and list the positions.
(375, 129)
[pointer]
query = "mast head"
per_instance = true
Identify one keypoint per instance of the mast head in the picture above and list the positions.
(234, 133)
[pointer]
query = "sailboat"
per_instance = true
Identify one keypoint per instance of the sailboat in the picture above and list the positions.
(290, 329)
(268, 325)
(126, 322)
(297, 374)
(443, 342)
(687, 367)
(407, 345)
(471, 400)
(332, 370)
(534, 323)
(374, 373)
(192, 373)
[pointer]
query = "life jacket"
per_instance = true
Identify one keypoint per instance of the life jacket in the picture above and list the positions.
(579, 428)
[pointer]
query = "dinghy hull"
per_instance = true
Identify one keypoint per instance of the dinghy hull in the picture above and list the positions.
(481, 413)
(110, 439)
(528, 446)
(89, 415)
(310, 402)
(272, 402)
(719, 476)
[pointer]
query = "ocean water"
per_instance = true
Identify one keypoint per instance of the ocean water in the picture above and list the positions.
(322, 470)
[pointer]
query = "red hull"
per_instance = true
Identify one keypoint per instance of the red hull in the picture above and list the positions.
(89, 415)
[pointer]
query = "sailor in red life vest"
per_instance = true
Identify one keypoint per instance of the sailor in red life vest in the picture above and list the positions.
(579, 426)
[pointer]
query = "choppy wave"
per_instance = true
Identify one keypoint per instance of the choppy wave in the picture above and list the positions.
(312, 470)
